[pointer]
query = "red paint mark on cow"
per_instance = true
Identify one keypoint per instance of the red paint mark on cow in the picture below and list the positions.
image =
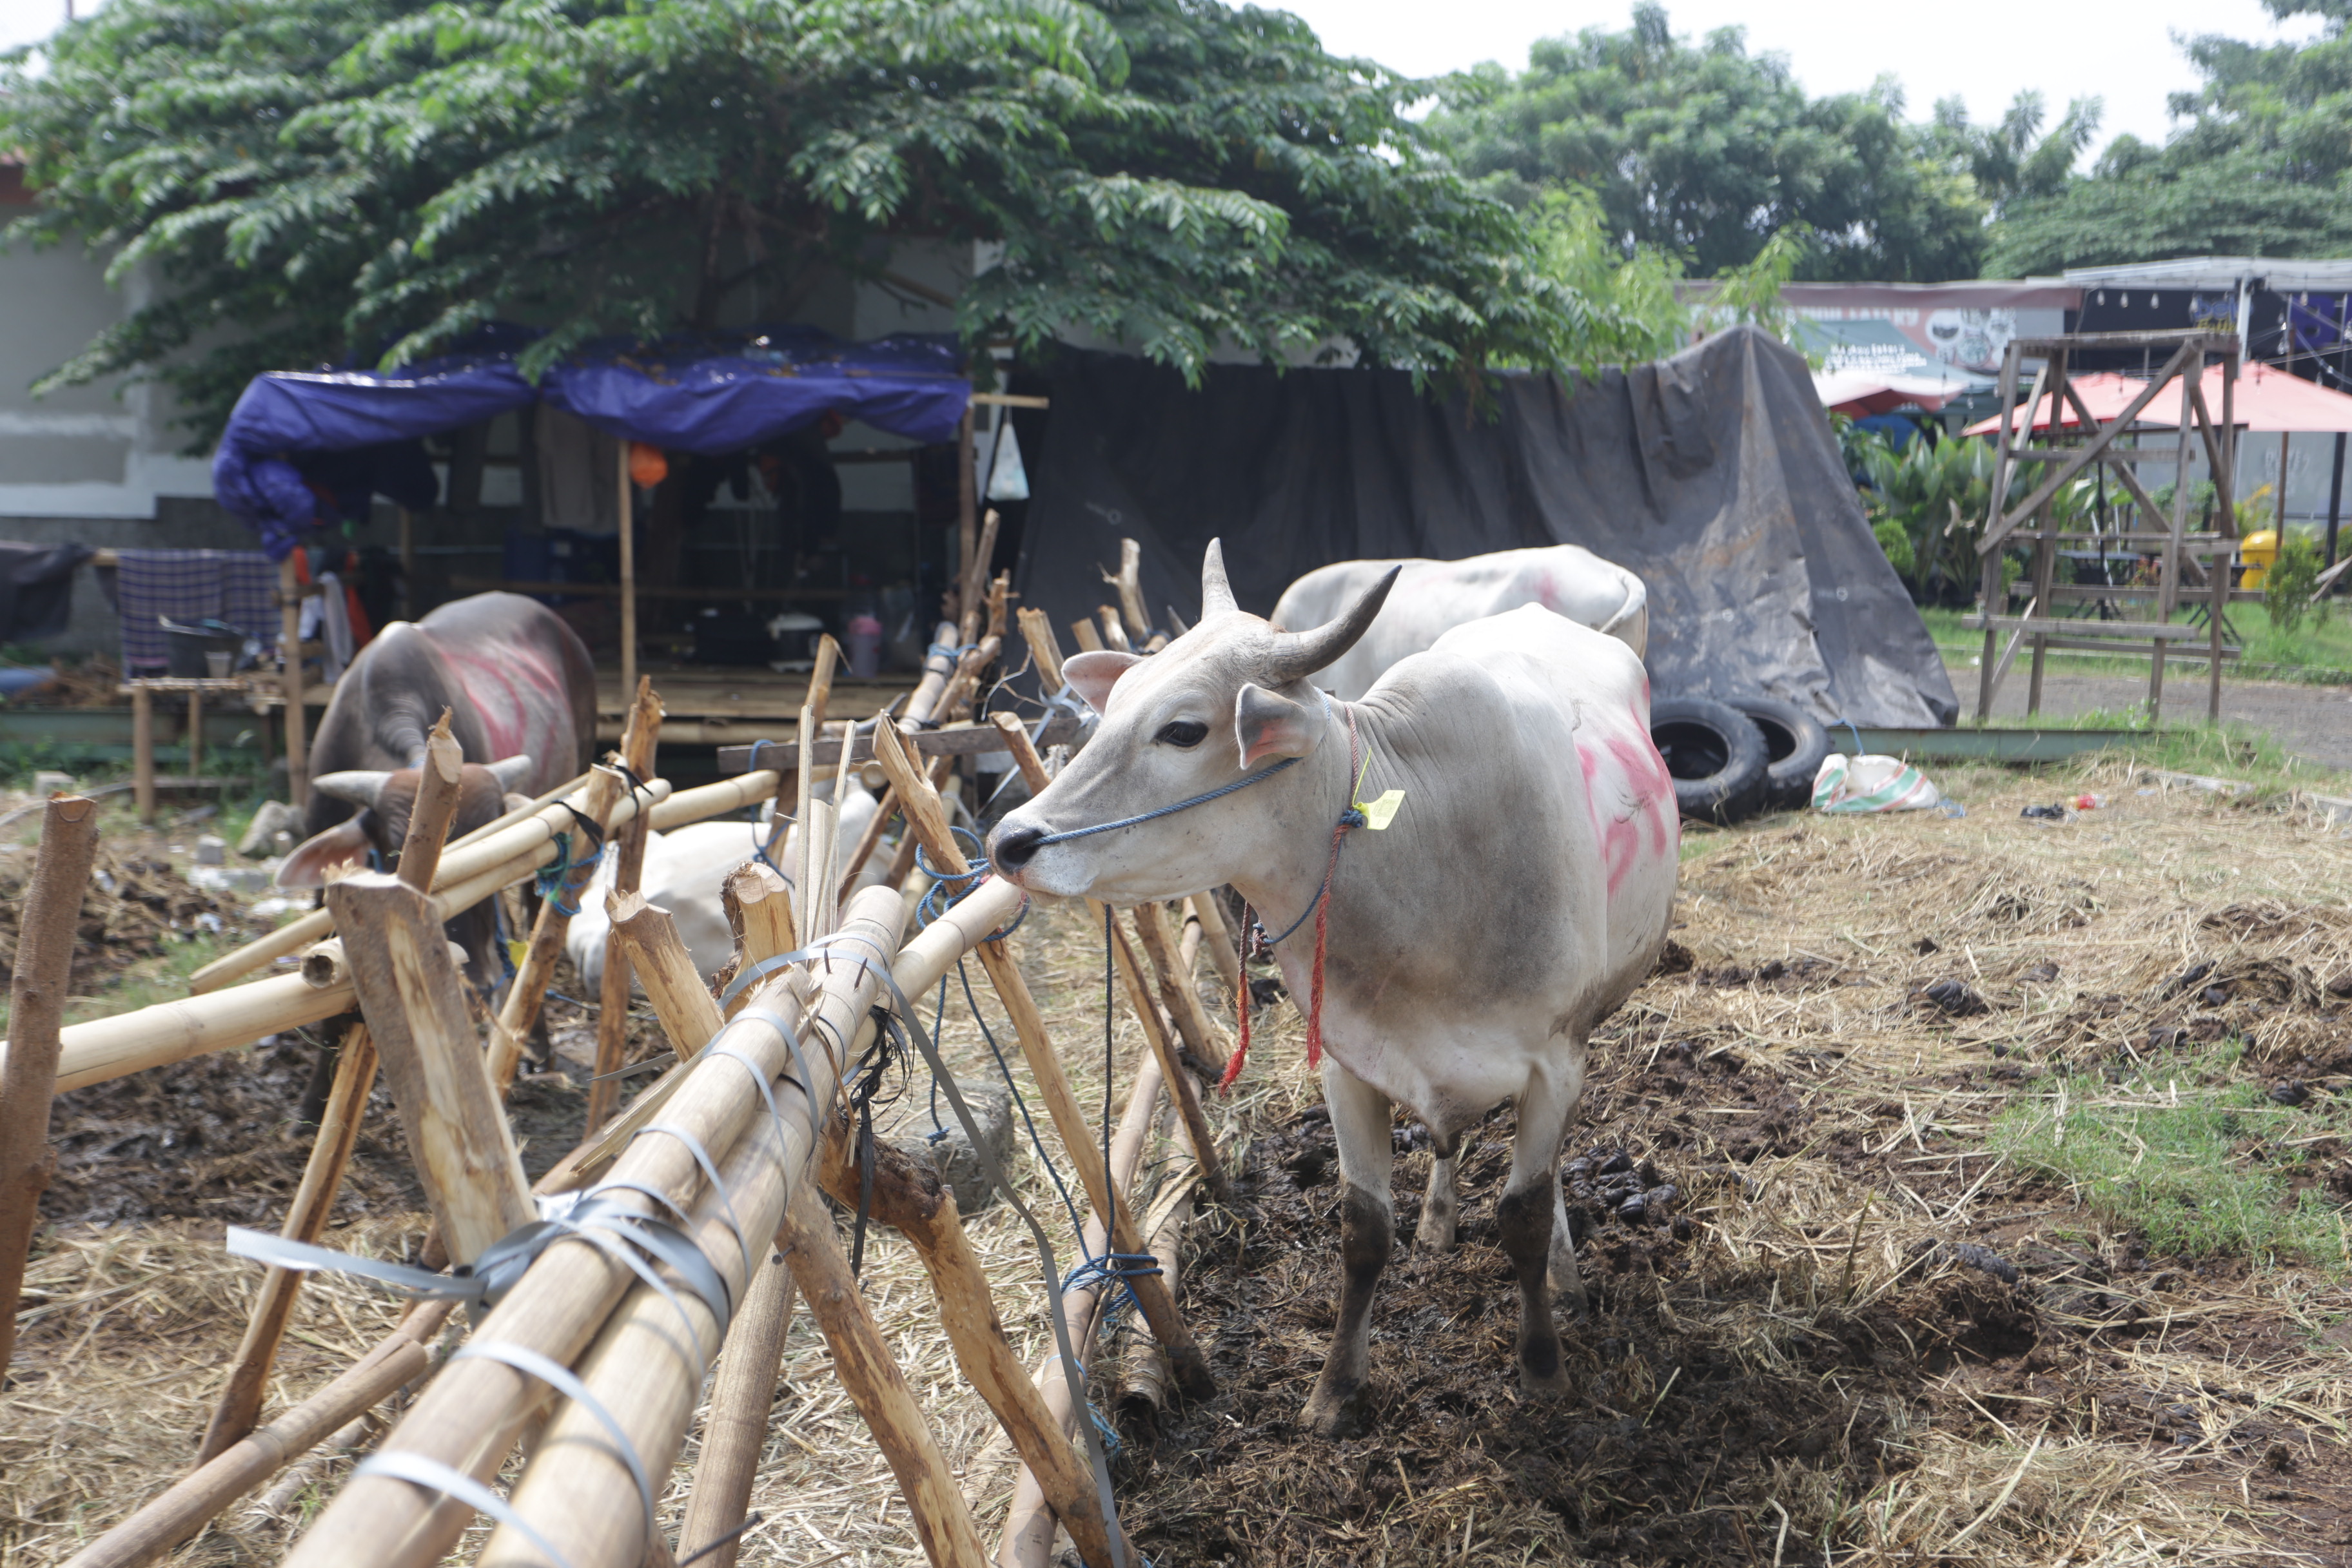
(501, 682)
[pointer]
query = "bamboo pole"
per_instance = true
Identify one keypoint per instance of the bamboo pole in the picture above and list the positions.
(1090, 637)
(1143, 1378)
(1044, 648)
(638, 738)
(37, 1000)
(171, 1032)
(929, 823)
(862, 1360)
(437, 784)
(1184, 1090)
(680, 1000)
(975, 582)
(1114, 629)
(759, 907)
(736, 1432)
(1028, 1530)
(199, 1496)
(911, 1199)
(472, 1414)
(1184, 1004)
(289, 682)
(240, 1407)
(1130, 586)
(528, 993)
(1218, 938)
(518, 834)
(410, 993)
(967, 511)
(938, 665)
(576, 1493)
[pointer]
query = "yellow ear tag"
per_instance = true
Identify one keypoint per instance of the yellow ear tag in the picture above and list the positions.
(1379, 813)
(515, 948)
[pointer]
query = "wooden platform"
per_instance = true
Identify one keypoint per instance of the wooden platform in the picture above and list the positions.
(706, 706)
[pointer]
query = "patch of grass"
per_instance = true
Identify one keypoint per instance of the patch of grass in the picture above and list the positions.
(163, 978)
(2191, 1157)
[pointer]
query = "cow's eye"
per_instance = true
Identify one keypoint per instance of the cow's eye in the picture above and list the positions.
(1185, 733)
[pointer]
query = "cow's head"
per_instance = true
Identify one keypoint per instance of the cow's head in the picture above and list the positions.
(381, 825)
(1227, 699)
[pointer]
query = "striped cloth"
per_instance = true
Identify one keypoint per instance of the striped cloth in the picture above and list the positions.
(239, 586)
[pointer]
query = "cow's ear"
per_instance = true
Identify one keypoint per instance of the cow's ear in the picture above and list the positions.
(322, 852)
(1267, 725)
(1094, 673)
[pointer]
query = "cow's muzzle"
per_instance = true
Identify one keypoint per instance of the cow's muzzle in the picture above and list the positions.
(1015, 847)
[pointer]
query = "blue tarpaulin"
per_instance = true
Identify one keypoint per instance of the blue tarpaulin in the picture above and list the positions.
(703, 392)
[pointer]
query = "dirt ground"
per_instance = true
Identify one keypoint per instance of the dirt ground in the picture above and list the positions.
(2312, 721)
(1840, 1325)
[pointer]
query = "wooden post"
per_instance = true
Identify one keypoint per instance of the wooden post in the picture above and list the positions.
(1130, 586)
(628, 504)
(759, 907)
(1044, 648)
(911, 1199)
(683, 1003)
(1114, 629)
(2225, 491)
(528, 992)
(967, 517)
(735, 1433)
(1200, 1038)
(37, 1001)
(1218, 938)
(1090, 637)
(975, 580)
(639, 736)
(1144, 1380)
(862, 1360)
(926, 821)
(1182, 1089)
(142, 749)
(200, 1496)
(289, 682)
(416, 1009)
(197, 732)
(306, 1220)
(435, 808)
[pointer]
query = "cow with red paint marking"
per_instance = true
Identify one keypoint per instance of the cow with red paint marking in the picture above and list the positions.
(1485, 908)
(521, 694)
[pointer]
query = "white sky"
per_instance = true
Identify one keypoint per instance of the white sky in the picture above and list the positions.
(1985, 52)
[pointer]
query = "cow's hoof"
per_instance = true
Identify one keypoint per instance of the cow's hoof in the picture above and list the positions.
(1429, 1239)
(1569, 1295)
(1540, 1389)
(1333, 1414)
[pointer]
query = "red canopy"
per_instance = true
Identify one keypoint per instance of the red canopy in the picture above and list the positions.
(2268, 400)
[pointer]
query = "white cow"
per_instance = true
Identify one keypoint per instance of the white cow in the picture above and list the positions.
(1432, 597)
(684, 872)
(1510, 905)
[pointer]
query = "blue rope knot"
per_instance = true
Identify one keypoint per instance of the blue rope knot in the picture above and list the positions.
(552, 878)
(1351, 818)
(955, 885)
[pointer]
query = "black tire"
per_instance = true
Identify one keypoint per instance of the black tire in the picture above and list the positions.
(1795, 744)
(1715, 755)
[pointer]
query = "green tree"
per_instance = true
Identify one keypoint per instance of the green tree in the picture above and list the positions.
(2262, 166)
(367, 180)
(1704, 150)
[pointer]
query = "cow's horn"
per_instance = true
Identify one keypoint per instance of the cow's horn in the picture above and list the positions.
(1216, 593)
(510, 771)
(360, 786)
(1297, 655)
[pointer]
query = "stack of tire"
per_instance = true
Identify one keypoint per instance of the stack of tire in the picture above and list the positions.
(1737, 758)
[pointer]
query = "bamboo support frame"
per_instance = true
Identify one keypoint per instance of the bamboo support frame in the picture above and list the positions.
(639, 736)
(37, 1000)
(528, 992)
(240, 1405)
(1200, 1038)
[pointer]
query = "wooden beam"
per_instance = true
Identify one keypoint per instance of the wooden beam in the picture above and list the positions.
(962, 740)
(415, 1005)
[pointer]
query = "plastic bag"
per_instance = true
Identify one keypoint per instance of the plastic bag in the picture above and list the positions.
(1852, 785)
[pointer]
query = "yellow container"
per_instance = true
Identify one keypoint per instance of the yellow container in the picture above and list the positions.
(2258, 551)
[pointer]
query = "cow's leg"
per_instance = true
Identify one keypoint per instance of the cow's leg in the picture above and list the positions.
(1567, 1283)
(1441, 1206)
(1529, 1219)
(1359, 1117)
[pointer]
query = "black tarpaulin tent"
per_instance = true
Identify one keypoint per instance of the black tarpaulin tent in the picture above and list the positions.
(1713, 474)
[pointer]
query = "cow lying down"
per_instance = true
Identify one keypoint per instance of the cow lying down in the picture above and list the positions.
(1512, 903)
(1432, 597)
(684, 871)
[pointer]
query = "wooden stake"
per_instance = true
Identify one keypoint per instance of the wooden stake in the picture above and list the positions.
(1044, 648)
(290, 683)
(1143, 1381)
(966, 515)
(911, 1199)
(306, 1221)
(975, 582)
(37, 1001)
(735, 1435)
(200, 1496)
(416, 1009)
(1089, 638)
(1182, 1086)
(939, 664)
(1218, 938)
(683, 1003)
(1184, 1004)
(862, 1360)
(929, 823)
(638, 738)
(1114, 630)
(1130, 585)
(436, 806)
(196, 734)
(758, 905)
